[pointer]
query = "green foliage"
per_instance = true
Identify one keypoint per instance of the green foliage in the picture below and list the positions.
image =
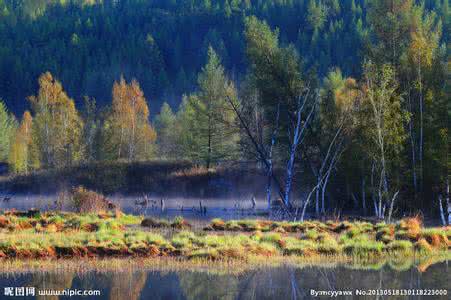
(210, 135)
(165, 125)
(275, 69)
(7, 128)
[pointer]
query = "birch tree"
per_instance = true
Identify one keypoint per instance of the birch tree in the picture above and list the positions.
(57, 126)
(130, 134)
(424, 43)
(386, 131)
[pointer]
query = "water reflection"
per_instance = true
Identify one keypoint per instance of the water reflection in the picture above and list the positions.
(265, 283)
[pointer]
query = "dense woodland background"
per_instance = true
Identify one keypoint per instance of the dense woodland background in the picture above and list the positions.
(350, 96)
(163, 44)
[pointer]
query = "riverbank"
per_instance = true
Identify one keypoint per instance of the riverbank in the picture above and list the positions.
(34, 234)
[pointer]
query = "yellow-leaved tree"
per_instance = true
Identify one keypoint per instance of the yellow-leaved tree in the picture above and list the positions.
(22, 157)
(128, 133)
(57, 126)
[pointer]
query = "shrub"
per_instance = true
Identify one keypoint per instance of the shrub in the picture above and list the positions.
(85, 200)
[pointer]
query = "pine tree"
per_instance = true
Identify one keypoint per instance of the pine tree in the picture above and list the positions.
(165, 127)
(212, 120)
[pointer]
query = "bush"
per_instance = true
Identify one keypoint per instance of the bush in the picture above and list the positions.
(86, 201)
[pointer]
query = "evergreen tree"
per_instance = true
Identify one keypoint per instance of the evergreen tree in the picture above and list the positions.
(166, 130)
(215, 119)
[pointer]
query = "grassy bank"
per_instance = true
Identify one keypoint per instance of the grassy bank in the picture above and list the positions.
(69, 235)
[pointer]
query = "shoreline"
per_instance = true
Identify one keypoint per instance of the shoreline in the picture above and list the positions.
(235, 267)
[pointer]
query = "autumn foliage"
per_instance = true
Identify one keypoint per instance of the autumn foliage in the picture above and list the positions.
(128, 130)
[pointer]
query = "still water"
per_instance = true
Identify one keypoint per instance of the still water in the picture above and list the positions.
(189, 208)
(282, 282)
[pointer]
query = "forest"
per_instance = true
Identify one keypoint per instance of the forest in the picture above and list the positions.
(351, 98)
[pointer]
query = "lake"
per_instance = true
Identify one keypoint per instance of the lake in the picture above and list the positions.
(189, 208)
(283, 282)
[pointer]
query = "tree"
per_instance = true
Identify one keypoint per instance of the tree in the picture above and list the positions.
(57, 126)
(215, 121)
(190, 143)
(165, 126)
(288, 103)
(336, 123)
(22, 158)
(129, 133)
(386, 131)
(7, 127)
(390, 24)
(276, 70)
(91, 130)
(424, 43)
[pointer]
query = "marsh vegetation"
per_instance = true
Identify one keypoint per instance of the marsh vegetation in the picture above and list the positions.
(113, 234)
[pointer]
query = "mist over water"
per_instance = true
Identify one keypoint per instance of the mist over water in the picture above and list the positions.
(227, 208)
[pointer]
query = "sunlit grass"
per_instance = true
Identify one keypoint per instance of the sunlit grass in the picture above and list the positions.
(56, 235)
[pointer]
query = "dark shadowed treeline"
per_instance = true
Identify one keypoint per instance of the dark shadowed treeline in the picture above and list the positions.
(87, 45)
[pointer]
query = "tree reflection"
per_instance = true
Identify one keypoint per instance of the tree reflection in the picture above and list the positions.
(52, 281)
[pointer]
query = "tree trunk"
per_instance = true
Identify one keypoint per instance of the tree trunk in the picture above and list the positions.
(317, 209)
(421, 125)
(390, 212)
(448, 208)
(412, 145)
(363, 196)
(442, 214)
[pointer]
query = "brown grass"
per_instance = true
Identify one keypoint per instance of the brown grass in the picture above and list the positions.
(85, 201)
